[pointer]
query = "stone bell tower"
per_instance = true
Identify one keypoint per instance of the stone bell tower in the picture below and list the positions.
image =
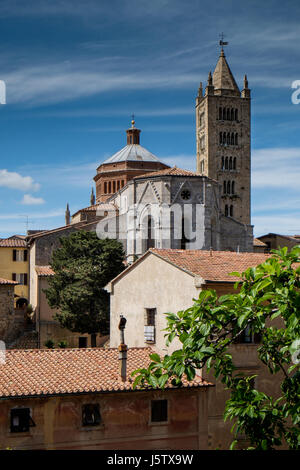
(223, 139)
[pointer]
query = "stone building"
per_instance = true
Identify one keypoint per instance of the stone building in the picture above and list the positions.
(274, 241)
(223, 139)
(171, 279)
(76, 399)
(7, 312)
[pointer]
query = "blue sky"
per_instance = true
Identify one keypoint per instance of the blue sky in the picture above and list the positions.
(75, 72)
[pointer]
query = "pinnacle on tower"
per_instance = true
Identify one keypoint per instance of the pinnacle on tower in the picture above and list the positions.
(209, 80)
(223, 78)
(68, 215)
(93, 199)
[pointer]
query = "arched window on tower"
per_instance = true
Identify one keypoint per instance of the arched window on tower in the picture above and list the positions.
(236, 139)
(232, 114)
(226, 210)
(228, 138)
(224, 187)
(224, 114)
(228, 187)
(228, 114)
(232, 139)
(234, 163)
(236, 114)
(222, 165)
(231, 211)
(232, 187)
(224, 138)
(221, 138)
(220, 114)
(230, 163)
(226, 163)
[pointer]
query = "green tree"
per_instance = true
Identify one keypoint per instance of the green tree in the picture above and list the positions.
(207, 329)
(83, 265)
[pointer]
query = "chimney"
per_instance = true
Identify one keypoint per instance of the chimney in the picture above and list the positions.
(122, 349)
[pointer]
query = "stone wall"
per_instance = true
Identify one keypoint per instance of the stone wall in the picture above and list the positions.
(6, 311)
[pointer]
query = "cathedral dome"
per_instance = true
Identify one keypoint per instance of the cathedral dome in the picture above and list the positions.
(133, 152)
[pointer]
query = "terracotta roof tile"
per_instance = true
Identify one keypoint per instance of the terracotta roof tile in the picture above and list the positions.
(169, 172)
(13, 242)
(257, 242)
(7, 282)
(36, 372)
(44, 271)
(211, 265)
(95, 207)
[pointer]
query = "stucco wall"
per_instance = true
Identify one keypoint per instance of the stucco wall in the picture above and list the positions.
(8, 267)
(125, 422)
(160, 288)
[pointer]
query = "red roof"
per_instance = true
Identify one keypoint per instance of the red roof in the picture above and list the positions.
(257, 242)
(169, 172)
(39, 372)
(7, 281)
(13, 242)
(44, 271)
(211, 265)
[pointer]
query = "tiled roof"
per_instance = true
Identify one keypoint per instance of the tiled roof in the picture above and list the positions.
(169, 172)
(211, 265)
(13, 242)
(75, 226)
(257, 242)
(7, 282)
(102, 206)
(44, 271)
(40, 372)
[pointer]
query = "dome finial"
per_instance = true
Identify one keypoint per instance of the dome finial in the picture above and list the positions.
(132, 121)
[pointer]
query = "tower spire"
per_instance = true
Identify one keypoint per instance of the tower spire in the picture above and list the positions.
(93, 199)
(68, 215)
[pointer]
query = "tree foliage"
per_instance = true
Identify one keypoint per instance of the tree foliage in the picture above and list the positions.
(83, 265)
(269, 295)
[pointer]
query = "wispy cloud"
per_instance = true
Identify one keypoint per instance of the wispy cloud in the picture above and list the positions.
(14, 180)
(29, 200)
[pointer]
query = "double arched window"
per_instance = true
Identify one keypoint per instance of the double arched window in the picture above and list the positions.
(228, 210)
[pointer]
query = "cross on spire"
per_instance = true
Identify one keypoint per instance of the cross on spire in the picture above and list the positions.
(222, 42)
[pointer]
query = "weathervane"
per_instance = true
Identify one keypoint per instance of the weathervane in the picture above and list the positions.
(222, 42)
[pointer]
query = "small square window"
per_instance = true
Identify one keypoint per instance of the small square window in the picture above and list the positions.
(159, 411)
(91, 415)
(20, 420)
(82, 342)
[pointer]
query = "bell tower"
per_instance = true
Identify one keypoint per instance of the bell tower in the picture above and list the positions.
(223, 137)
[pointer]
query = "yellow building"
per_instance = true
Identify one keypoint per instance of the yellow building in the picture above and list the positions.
(14, 265)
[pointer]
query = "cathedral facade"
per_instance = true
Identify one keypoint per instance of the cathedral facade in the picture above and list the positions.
(144, 203)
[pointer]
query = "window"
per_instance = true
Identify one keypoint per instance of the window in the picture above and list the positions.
(201, 119)
(202, 166)
(109, 187)
(226, 210)
(202, 142)
(231, 211)
(21, 278)
(150, 233)
(223, 164)
(82, 342)
(114, 186)
(236, 115)
(236, 139)
(159, 411)
(91, 415)
(234, 163)
(220, 114)
(20, 420)
(19, 255)
(226, 163)
(105, 187)
(232, 187)
(149, 328)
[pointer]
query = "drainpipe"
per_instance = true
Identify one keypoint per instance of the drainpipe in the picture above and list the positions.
(122, 350)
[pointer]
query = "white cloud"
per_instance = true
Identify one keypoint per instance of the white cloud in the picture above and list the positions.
(14, 180)
(30, 200)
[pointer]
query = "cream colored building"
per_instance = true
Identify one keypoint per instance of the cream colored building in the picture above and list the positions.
(163, 281)
(14, 264)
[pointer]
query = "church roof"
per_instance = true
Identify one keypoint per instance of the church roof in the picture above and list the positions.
(168, 172)
(132, 153)
(222, 76)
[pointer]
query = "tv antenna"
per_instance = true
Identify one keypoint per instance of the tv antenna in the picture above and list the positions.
(27, 222)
